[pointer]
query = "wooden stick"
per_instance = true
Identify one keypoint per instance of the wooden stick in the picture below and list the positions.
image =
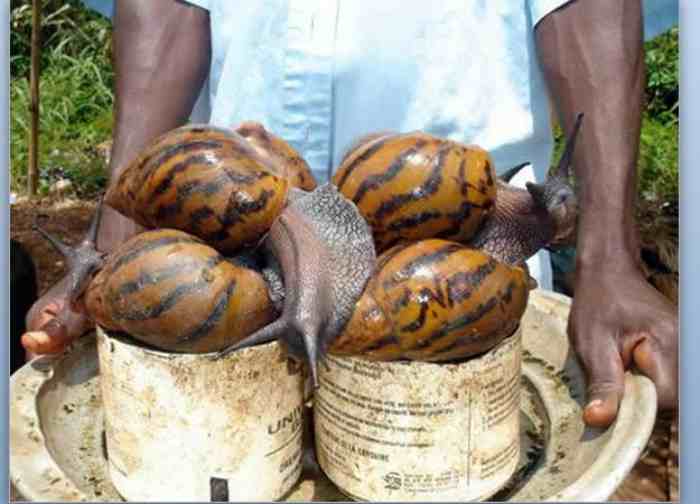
(33, 168)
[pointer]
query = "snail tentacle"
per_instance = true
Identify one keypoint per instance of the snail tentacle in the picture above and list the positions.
(268, 333)
(94, 229)
(567, 157)
(83, 260)
(62, 248)
(512, 172)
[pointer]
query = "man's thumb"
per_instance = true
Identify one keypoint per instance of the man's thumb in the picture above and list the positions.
(52, 337)
(606, 382)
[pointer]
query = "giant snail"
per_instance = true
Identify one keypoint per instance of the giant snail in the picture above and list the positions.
(415, 250)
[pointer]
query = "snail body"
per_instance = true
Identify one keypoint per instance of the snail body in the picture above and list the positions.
(434, 300)
(170, 290)
(415, 186)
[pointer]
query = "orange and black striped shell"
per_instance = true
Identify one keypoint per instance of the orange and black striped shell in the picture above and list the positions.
(207, 181)
(417, 186)
(434, 300)
(170, 290)
(282, 157)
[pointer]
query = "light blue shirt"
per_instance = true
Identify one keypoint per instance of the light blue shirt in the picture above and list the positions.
(321, 73)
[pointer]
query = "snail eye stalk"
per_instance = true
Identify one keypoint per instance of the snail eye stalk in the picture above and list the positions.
(83, 260)
(556, 192)
(508, 175)
(564, 165)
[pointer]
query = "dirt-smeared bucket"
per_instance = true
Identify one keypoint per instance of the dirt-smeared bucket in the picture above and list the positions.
(414, 431)
(187, 427)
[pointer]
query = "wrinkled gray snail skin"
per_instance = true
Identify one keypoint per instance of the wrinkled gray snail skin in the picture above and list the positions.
(326, 253)
(527, 220)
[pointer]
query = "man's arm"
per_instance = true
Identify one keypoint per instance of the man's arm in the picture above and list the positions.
(161, 60)
(593, 60)
(162, 53)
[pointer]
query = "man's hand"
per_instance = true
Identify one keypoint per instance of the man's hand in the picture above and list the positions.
(619, 321)
(52, 324)
(592, 55)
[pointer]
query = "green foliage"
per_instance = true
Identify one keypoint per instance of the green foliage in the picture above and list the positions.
(67, 27)
(662, 59)
(75, 95)
(658, 160)
(658, 151)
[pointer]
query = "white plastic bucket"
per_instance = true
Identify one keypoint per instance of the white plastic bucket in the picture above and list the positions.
(186, 427)
(415, 431)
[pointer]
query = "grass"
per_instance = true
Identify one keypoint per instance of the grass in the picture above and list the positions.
(76, 102)
(658, 153)
(75, 96)
(658, 160)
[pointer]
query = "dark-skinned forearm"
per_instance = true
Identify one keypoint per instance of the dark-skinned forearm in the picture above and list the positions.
(161, 60)
(592, 57)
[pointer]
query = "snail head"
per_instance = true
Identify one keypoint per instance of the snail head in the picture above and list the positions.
(557, 196)
(83, 260)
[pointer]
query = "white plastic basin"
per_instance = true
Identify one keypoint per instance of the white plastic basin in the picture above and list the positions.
(57, 441)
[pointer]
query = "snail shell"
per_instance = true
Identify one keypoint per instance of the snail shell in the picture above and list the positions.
(416, 186)
(281, 157)
(209, 182)
(434, 300)
(170, 290)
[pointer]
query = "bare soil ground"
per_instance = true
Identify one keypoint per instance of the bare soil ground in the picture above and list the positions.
(66, 218)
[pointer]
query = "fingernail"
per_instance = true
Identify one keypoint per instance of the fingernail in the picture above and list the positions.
(38, 337)
(29, 342)
(27, 339)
